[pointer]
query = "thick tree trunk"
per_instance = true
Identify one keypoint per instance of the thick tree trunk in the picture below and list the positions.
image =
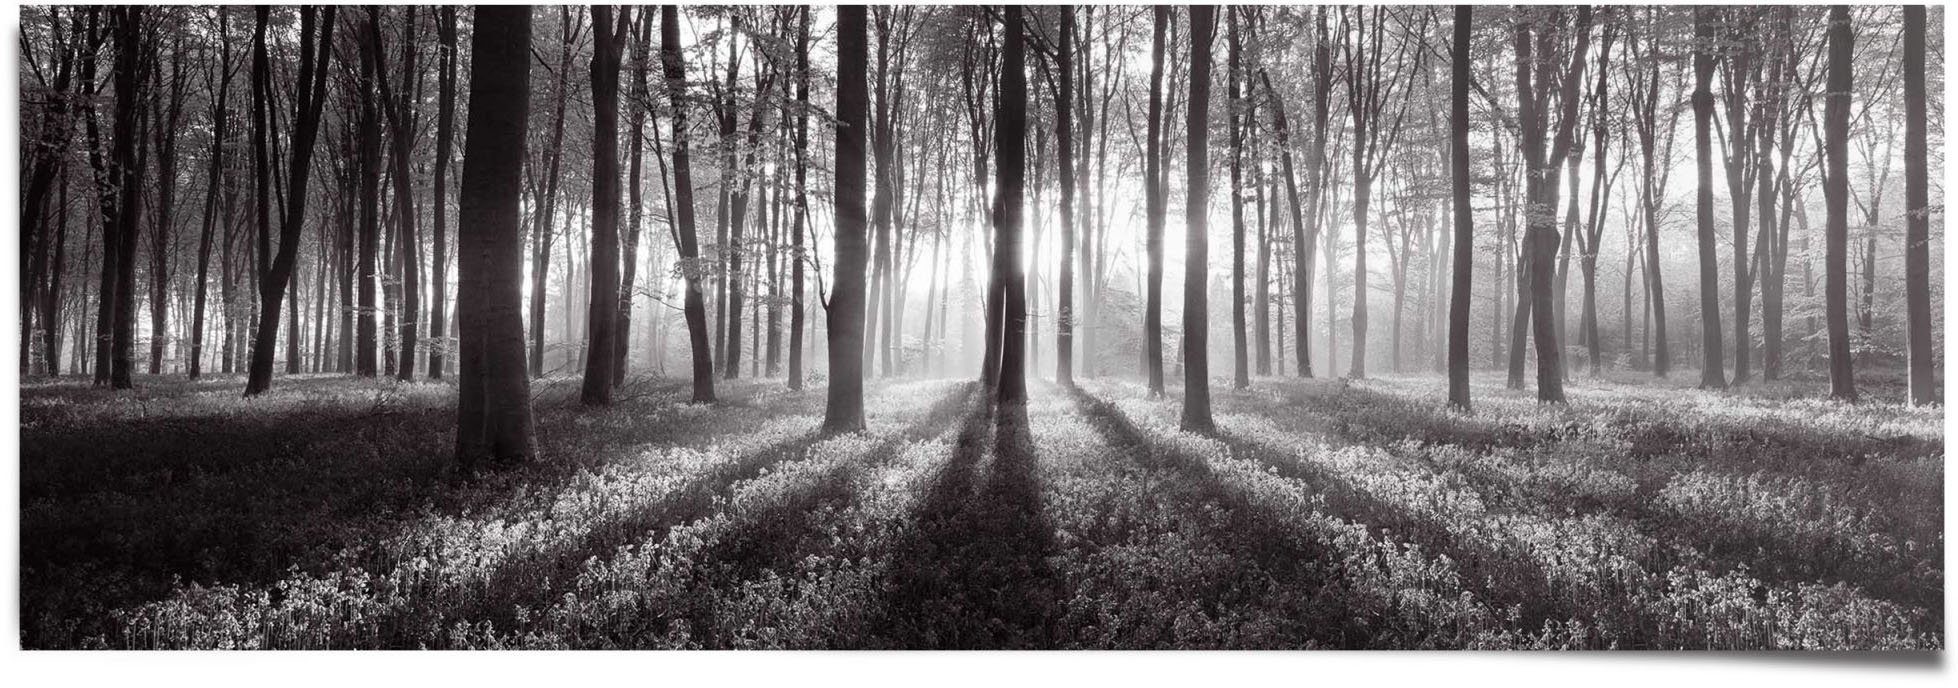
(689, 246)
(1196, 268)
(844, 410)
(493, 400)
(596, 389)
(1009, 177)
(1917, 223)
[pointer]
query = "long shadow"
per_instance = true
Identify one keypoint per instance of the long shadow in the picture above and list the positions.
(768, 538)
(1353, 416)
(974, 573)
(1367, 415)
(532, 580)
(1254, 534)
(244, 498)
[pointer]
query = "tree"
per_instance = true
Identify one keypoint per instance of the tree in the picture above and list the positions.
(1644, 83)
(1196, 314)
(493, 419)
(315, 51)
(399, 107)
(544, 189)
(367, 347)
(844, 411)
(607, 48)
(220, 125)
(1154, 190)
(1240, 350)
(445, 29)
(1835, 191)
(1917, 208)
(1369, 87)
(688, 243)
(168, 120)
(1009, 178)
(796, 257)
(1537, 41)
(1458, 306)
(1064, 149)
(1712, 373)
(641, 99)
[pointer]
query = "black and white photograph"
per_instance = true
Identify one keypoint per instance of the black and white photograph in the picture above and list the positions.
(982, 327)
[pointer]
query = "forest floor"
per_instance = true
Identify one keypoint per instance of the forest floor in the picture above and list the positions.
(1322, 514)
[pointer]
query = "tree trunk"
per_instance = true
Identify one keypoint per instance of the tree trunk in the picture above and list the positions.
(493, 400)
(1458, 157)
(315, 53)
(1156, 207)
(1064, 150)
(1917, 227)
(602, 315)
(1009, 175)
(438, 324)
(796, 257)
(1712, 373)
(1835, 187)
(844, 410)
(1196, 268)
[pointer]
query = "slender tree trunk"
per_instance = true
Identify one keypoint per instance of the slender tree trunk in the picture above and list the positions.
(1712, 369)
(444, 143)
(1157, 207)
(1240, 344)
(796, 257)
(1458, 157)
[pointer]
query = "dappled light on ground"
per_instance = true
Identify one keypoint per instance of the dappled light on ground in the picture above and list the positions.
(1319, 515)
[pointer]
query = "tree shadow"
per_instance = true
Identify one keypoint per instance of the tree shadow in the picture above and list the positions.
(1253, 534)
(974, 572)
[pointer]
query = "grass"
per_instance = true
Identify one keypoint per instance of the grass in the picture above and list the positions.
(1357, 514)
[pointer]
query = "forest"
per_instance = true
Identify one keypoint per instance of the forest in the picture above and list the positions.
(1277, 327)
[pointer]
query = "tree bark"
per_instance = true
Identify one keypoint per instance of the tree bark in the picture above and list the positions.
(493, 400)
(1156, 207)
(1835, 188)
(1458, 156)
(844, 410)
(1917, 223)
(602, 315)
(1196, 268)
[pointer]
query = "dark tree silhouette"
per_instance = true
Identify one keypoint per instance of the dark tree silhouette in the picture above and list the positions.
(1917, 222)
(844, 412)
(1712, 368)
(1196, 269)
(315, 50)
(1835, 190)
(608, 46)
(1458, 156)
(684, 235)
(493, 419)
(1154, 189)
